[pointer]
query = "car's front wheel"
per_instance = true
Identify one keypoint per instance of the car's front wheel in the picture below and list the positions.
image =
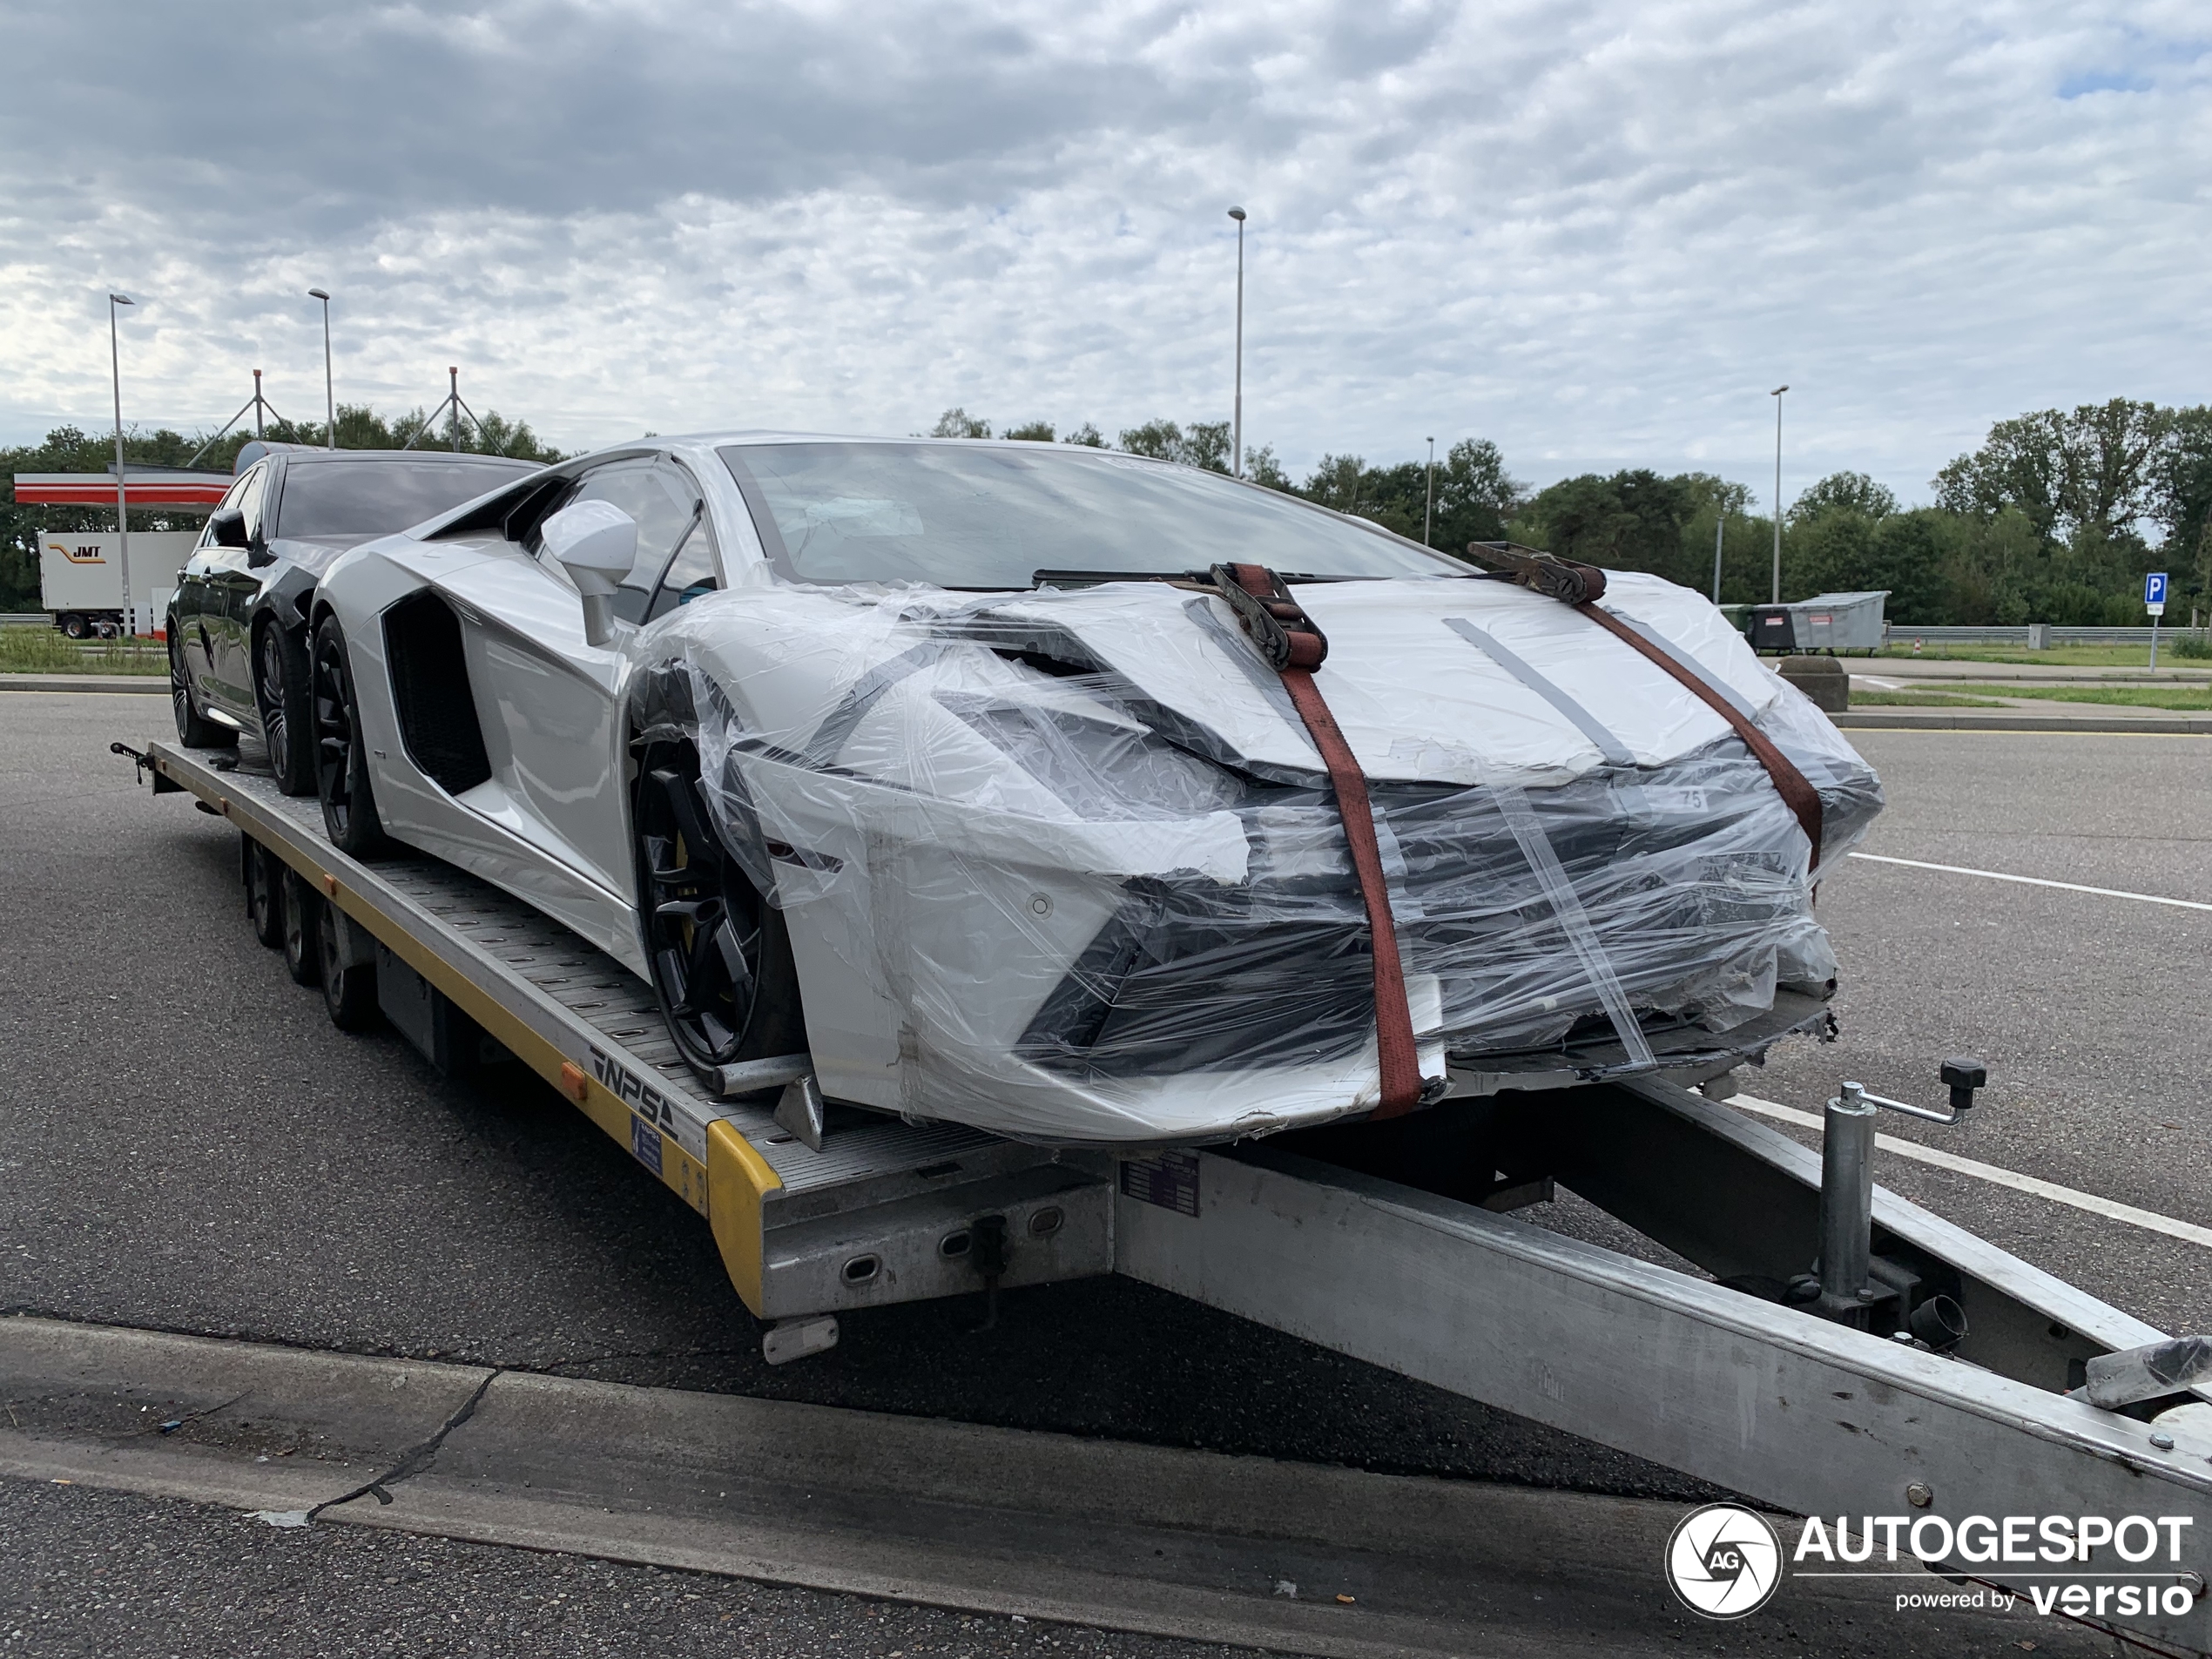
(282, 692)
(720, 952)
(193, 731)
(349, 814)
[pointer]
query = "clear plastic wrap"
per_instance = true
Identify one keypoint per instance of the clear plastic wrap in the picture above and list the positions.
(1064, 866)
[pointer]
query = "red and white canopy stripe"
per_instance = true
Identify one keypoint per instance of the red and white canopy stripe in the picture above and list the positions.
(149, 488)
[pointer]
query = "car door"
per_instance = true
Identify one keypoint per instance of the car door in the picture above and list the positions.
(195, 637)
(227, 597)
(546, 699)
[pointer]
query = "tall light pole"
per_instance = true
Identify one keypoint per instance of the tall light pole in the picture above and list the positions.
(1777, 395)
(329, 398)
(122, 518)
(1428, 507)
(1237, 435)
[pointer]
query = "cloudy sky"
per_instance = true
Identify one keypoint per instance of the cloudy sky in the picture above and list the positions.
(1595, 231)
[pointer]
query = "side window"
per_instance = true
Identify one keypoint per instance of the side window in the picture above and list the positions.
(250, 501)
(642, 490)
(236, 497)
(694, 569)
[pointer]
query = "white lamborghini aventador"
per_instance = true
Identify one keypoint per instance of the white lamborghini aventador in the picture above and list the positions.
(959, 767)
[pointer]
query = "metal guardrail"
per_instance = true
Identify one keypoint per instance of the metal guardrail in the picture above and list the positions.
(1901, 634)
(26, 620)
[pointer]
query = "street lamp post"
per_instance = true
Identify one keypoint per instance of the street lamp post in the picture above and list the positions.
(122, 509)
(1237, 435)
(1428, 507)
(1777, 395)
(329, 399)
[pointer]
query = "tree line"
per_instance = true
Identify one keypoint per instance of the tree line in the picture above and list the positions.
(69, 450)
(2055, 517)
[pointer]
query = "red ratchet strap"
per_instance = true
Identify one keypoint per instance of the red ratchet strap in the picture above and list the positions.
(1581, 586)
(1294, 647)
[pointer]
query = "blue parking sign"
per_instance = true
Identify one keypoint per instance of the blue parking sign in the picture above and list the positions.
(2154, 588)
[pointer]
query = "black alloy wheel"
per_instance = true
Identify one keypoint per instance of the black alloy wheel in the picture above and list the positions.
(73, 626)
(265, 873)
(280, 692)
(302, 929)
(721, 955)
(193, 731)
(348, 987)
(341, 761)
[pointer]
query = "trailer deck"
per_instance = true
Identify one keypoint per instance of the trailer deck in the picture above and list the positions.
(1394, 1248)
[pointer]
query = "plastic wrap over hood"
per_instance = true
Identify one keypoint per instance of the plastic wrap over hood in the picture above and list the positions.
(1064, 865)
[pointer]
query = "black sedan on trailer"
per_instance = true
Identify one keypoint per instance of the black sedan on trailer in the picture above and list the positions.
(238, 626)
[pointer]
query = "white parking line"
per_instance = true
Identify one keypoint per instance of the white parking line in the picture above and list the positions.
(2149, 1220)
(2035, 881)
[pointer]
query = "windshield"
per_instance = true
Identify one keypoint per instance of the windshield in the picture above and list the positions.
(960, 516)
(376, 497)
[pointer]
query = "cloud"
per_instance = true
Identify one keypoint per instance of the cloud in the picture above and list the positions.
(1594, 231)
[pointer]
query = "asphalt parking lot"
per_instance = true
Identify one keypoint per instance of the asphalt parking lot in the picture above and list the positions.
(194, 1148)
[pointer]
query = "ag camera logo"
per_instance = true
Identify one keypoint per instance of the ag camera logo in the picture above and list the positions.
(1723, 1562)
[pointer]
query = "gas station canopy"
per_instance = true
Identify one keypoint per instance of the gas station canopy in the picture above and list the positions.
(146, 487)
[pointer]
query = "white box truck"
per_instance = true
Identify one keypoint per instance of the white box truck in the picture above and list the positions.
(80, 578)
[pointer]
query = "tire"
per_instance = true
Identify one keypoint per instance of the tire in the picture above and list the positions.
(348, 993)
(264, 874)
(349, 814)
(193, 731)
(73, 626)
(302, 929)
(282, 693)
(721, 957)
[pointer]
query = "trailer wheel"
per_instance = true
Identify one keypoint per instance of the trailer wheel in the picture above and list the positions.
(282, 692)
(73, 625)
(721, 957)
(348, 987)
(341, 760)
(302, 929)
(265, 894)
(192, 732)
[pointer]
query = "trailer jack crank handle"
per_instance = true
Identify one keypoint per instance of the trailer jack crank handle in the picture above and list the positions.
(1847, 1183)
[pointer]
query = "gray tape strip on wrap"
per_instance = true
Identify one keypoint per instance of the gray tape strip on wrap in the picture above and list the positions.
(1573, 920)
(1585, 721)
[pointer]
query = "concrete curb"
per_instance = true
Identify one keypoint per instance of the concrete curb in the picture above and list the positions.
(1994, 720)
(128, 685)
(1153, 1539)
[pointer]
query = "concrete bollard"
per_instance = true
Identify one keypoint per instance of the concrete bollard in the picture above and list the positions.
(1821, 679)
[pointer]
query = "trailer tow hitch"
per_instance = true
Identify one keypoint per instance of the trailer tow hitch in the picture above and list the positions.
(162, 785)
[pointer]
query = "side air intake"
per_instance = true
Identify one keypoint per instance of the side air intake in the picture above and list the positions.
(430, 692)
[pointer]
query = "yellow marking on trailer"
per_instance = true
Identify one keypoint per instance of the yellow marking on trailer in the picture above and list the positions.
(739, 1180)
(728, 1189)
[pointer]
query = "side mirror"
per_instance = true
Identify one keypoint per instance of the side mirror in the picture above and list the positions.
(229, 527)
(595, 543)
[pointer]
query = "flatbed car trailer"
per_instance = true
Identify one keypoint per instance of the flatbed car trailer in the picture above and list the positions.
(1398, 1248)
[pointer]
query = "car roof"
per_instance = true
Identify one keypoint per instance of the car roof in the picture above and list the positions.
(296, 452)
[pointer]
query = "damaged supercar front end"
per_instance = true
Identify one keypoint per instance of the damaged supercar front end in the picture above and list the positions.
(1063, 864)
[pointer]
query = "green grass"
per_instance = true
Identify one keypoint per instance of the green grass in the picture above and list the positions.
(2195, 698)
(2057, 656)
(44, 650)
(1919, 700)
